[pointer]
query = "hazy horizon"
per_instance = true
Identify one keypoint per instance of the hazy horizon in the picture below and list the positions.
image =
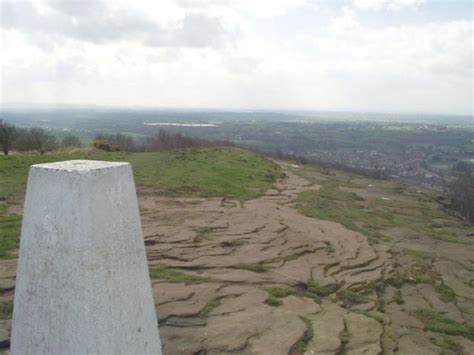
(403, 57)
(6, 106)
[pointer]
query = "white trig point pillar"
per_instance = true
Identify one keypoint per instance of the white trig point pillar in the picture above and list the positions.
(82, 283)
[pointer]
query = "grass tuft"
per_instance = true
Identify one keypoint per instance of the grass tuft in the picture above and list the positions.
(418, 254)
(174, 276)
(10, 227)
(351, 298)
(329, 248)
(438, 323)
(273, 301)
(209, 307)
(280, 292)
(445, 293)
(253, 267)
(6, 310)
(446, 343)
(397, 297)
(320, 291)
(302, 344)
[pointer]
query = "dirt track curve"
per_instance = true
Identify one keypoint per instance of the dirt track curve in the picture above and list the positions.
(215, 239)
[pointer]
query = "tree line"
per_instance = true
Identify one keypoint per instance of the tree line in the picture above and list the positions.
(40, 140)
(29, 139)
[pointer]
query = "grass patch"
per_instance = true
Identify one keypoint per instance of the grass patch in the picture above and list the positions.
(445, 293)
(173, 275)
(374, 216)
(205, 233)
(329, 248)
(418, 254)
(397, 297)
(253, 267)
(277, 292)
(344, 337)
(273, 301)
(438, 323)
(446, 343)
(453, 239)
(212, 304)
(333, 204)
(10, 228)
(6, 310)
(223, 172)
(280, 292)
(352, 298)
(209, 307)
(302, 344)
(423, 274)
(321, 291)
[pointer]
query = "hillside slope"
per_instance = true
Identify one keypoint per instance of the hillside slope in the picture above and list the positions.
(322, 263)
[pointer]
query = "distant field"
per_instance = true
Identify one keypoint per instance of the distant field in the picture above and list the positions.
(225, 172)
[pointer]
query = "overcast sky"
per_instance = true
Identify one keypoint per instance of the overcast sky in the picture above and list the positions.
(400, 56)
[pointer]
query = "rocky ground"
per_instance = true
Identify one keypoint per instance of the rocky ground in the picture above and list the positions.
(258, 277)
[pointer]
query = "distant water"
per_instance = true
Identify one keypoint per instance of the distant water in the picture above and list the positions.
(179, 124)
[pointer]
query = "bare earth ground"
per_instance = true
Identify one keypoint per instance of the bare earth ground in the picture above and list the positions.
(214, 262)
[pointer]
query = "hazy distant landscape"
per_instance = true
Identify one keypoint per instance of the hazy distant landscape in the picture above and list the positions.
(412, 148)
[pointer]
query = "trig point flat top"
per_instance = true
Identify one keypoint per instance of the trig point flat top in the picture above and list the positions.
(79, 165)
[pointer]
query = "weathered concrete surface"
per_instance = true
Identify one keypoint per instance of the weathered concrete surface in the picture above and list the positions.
(82, 282)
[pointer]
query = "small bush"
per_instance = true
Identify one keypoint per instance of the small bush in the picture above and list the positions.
(102, 144)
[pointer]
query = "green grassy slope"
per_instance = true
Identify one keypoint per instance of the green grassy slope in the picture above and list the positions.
(372, 207)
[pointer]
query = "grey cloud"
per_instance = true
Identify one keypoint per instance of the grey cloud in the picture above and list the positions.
(93, 21)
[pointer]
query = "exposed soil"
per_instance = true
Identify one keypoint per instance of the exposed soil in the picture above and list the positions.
(344, 296)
